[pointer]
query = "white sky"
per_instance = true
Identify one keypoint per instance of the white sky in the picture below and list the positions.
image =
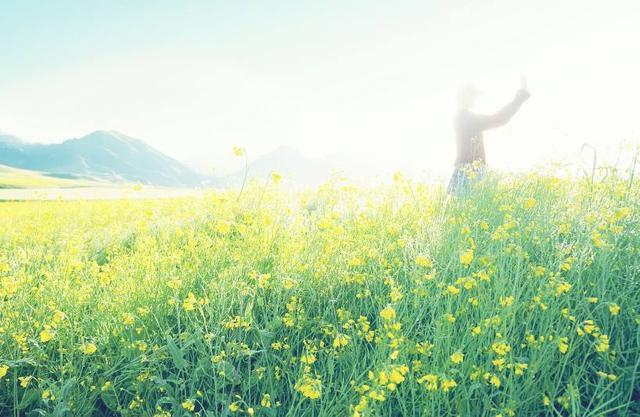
(375, 80)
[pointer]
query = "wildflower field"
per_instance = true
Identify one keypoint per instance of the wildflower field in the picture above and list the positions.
(520, 299)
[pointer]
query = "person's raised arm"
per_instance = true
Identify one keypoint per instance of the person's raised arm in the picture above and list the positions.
(501, 117)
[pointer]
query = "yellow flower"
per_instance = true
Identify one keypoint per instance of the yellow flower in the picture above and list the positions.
(190, 302)
(448, 384)
(539, 271)
(46, 394)
(501, 348)
(308, 359)
(88, 348)
(430, 381)
(614, 309)
(603, 343)
(127, 319)
(188, 405)
(563, 288)
(3, 370)
(563, 345)
(529, 203)
(238, 151)
(498, 363)
(590, 327)
(388, 313)
(377, 395)
(24, 381)
(223, 227)
(174, 283)
(340, 340)
(397, 374)
(395, 295)
(234, 407)
(466, 257)
(457, 358)
(506, 301)
(46, 335)
(424, 261)
(58, 316)
(610, 377)
(276, 177)
(453, 290)
(476, 330)
(309, 387)
(266, 400)
(520, 368)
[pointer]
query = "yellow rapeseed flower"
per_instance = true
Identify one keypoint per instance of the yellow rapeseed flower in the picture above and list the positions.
(88, 348)
(340, 341)
(457, 358)
(500, 348)
(424, 261)
(238, 151)
(448, 384)
(614, 309)
(388, 313)
(466, 257)
(3, 370)
(430, 382)
(310, 387)
(188, 405)
(46, 335)
(453, 290)
(563, 345)
(25, 380)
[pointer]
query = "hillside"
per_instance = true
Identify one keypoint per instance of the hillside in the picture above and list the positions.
(103, 155)
(22, 178)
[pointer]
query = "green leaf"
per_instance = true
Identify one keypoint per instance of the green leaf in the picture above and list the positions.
(176, 354)
(29, 397)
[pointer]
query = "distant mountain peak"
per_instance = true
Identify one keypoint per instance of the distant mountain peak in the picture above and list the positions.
(8, 138)
(104, 154)
(112, 135)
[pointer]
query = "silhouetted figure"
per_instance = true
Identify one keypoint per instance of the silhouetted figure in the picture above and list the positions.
(469, 127)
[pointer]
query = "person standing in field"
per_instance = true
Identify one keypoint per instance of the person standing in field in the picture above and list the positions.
(469, 128)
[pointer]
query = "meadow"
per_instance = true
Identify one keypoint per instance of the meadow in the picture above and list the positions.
(520, 299)
(14, 178)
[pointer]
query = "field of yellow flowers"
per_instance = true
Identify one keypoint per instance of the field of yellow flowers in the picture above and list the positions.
(520, 299)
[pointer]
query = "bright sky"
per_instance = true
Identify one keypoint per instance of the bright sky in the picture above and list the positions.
(374, 78)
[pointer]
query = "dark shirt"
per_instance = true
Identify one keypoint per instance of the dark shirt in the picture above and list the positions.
(469, 127)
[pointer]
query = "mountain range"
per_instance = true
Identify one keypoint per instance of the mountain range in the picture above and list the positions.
(102, 155)
(110, 156)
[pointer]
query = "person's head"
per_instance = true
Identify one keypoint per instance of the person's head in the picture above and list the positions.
(467, 96)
